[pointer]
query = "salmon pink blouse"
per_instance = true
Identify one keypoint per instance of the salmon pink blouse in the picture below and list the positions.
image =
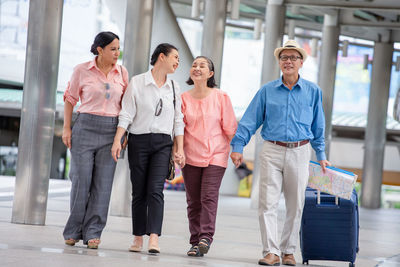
(208, 122)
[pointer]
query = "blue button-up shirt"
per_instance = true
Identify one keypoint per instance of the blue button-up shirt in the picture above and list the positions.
(285, 115)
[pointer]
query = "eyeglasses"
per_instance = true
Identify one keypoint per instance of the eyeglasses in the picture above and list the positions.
(107, 87)
(158, 108)
(292, 58)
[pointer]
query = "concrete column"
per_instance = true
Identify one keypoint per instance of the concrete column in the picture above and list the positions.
(164, 18)
(327, 71)
(291, 32)
(138, 29)
(139, 20)
(213, 34)
(38, 112)
(375, 134)
(274, 30)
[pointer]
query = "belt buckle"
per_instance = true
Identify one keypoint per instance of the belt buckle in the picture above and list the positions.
(291, 145)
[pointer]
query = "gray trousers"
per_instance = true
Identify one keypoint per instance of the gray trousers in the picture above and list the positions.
(91, 173)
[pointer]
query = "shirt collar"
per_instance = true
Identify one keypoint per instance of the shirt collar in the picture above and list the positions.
(300, 82)
(149, 79)
(92, 64)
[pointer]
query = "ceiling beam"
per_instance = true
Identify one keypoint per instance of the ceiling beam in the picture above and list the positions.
(388, 5)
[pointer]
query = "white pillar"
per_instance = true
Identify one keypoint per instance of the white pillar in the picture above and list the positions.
(214, 33)
(138, 29)
(327, 71)
(38, 112)
(375, 133)
(274, 30)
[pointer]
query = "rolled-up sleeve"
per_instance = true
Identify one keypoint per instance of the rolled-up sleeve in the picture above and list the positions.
(73, 90)
(179, 125)
(128, 107)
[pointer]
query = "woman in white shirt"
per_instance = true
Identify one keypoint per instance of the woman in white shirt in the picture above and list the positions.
(151, 112)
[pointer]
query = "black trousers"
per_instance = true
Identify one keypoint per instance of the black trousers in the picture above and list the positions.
(148, 156)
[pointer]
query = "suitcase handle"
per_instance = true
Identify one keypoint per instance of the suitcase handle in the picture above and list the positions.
(327, 199)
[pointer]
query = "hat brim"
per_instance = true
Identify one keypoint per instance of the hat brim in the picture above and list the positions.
(302, 52)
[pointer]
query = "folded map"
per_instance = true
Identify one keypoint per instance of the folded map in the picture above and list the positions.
(334, 181)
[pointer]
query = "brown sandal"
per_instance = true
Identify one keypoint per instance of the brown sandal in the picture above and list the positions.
(70, 242)
(93, 243)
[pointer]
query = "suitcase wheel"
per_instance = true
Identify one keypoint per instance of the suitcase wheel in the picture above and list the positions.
(351, 264)
(305, 262)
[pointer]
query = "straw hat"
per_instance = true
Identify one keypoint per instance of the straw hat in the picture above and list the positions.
(292, 45)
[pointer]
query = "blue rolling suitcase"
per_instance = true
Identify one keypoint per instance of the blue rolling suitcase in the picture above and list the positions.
(329, 228)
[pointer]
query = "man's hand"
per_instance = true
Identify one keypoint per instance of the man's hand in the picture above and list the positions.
(237, 158)
(323, 164)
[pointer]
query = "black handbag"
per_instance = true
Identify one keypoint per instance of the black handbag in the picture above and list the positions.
(171, 166)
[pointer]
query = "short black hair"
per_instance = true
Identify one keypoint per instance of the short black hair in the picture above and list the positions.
(210, 81)
(102, 39)
(164, 48)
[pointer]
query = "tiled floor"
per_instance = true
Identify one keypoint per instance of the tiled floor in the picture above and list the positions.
(237, 240)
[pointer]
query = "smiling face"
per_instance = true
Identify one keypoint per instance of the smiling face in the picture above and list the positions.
(171, 62)
(200, 70)
(110, 53)
(290, 67)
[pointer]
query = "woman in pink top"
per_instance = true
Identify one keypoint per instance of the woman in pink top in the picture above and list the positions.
(99, 85)
(210, 124)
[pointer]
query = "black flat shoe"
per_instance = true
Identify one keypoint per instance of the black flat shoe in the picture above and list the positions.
(153, 249)
(194, 252)
(204, 245)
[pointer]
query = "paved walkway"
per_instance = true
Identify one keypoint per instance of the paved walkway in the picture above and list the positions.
(237, 240)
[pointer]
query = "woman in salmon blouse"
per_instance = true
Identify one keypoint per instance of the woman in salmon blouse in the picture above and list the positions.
(99, 85)
(210, 124)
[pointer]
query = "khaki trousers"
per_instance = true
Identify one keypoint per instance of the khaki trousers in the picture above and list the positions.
(282, 170)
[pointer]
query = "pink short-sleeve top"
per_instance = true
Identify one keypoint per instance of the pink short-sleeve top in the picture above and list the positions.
(99, 94)
(208, 122)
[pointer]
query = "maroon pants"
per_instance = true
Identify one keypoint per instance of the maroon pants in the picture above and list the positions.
(202, 188)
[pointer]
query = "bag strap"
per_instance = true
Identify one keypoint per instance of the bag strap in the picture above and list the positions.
(173, 89)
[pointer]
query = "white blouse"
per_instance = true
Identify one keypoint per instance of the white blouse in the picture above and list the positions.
(141, 105)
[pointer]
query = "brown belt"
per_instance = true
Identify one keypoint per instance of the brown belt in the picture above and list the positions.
(290, 144)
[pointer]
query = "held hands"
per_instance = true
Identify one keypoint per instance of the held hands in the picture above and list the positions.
(323, 164)
(237, 158)
(179, 158)
(66, 136)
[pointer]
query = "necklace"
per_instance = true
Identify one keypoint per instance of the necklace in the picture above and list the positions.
(104, 68)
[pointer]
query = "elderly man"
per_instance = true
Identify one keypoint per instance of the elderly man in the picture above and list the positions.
(290, 112)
